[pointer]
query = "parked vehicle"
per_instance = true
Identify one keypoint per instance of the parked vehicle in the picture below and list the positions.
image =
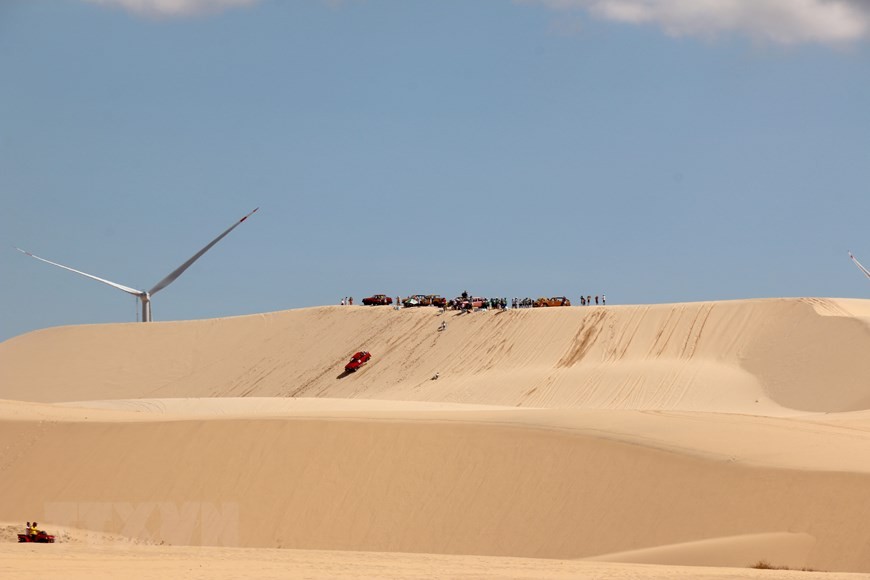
(40, 538)
(357, 360)
(424, 300)
(377, 300)
(436, 300)
(554, 301)
(470, 303)
(415, 300)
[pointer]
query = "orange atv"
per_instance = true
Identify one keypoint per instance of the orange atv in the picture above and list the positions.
(554, 301)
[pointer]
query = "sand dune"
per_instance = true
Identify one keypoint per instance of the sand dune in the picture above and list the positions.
(97, 561)
(817, 443)
(448, 481)
(734, 551)
(756, 356)
(708, 434)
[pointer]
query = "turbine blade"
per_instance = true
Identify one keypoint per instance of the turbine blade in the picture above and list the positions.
(180, 270)
(857, 263)
(127, 289)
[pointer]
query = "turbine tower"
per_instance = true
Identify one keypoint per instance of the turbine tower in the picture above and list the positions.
(143, 295)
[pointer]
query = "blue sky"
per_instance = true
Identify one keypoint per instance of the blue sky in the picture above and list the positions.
(642, 148)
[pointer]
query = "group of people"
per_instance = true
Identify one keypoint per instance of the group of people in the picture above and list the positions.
(466, 302)
(32, 530)
(587, 300)
(494, 303)
(498, 303)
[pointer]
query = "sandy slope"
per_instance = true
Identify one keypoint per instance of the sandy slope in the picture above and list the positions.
(441, 481)
(753, 356)
(811, 442)
(700, 434)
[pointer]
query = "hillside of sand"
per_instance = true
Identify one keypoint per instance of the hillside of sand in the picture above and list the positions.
(705, 434)
(755, 356)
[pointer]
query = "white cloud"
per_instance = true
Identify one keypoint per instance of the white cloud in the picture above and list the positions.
(778, 21)
(173, 8)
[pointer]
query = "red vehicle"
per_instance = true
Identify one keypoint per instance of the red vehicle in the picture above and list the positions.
(40, 538)
(357, 360)
(470, 302)
(377, 300)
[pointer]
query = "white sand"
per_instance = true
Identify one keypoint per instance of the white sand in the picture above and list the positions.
(706, 434)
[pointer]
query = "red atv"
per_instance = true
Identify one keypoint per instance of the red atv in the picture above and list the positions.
(40, 538)
(357, 360)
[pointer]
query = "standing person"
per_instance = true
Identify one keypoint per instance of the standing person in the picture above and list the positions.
(603, 299)
(582, 301)
(596, 300)
(344, 301)
(350, 301)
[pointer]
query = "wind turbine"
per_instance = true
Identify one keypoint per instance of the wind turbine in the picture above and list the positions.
(860, 267)
(145, 296)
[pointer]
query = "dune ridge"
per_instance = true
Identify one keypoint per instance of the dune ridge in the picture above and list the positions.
(733, 551)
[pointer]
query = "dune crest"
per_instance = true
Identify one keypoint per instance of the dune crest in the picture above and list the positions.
(777, 549)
